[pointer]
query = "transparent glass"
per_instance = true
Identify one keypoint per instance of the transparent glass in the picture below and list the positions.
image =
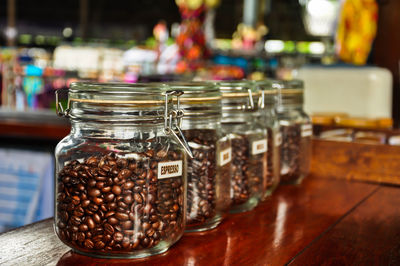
(120, 180)
(269, 120)
(296, 130)
(208, 172)
(249, 144)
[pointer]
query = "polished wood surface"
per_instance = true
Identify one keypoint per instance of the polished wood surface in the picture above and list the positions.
(356, 161)
(370, 235)
(33, 130)
(274, 233)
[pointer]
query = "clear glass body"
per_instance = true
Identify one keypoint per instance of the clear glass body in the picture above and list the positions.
(208, 176)
(240, 120)
(296, 130)
(208, 173)
(120, 185)
(269, 120)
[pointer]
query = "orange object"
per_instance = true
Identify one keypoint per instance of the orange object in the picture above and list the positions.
(356, 30)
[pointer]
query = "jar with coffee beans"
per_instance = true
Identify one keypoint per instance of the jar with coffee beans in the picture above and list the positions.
(240, 119)
(267, 104)
(296, 130)
(121, 172)
(208, 172)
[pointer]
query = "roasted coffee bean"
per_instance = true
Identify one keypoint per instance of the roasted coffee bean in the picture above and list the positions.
(116, 190)
(90, 223)
(96, 218)
(118, 237)
(124, 174)
(112, 220)
(113, 205)
(109, 197)
(88, 244)
(109, 228)
(121, 216)
(128, 185)
(83, 227)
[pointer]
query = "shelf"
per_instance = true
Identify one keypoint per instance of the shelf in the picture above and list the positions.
(33, 124)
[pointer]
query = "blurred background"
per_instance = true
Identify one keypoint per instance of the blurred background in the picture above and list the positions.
(346, 51)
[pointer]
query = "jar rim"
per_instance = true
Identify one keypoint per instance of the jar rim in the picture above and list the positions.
(196, 91)
(288, 86)
(117, 87)
(237, 88)
(118, 93)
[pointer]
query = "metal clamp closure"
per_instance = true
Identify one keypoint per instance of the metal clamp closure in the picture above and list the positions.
(261, 100)
(251, 101)
(171, 116)
(59, 108)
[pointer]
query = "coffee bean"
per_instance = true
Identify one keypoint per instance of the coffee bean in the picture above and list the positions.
(138, 198)
(85, 203)
(127, 224)
(99, 245)
(94, 192)
(76, 200)
(90, 223)
(88, 244)
(125, 173)
(109, 228)
(121, 216)
(98, 201)
(128, 185)
(81, 236)
(83, 227)
(112, 220)
(118, 237)
(96, 218)
(116, 190)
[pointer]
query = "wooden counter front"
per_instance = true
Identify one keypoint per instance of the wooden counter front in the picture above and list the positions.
(322, 220)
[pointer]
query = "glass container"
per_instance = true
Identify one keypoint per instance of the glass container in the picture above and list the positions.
(296, 130)
(240, 120)
(269, 119)
(208, 172)
(121, 172)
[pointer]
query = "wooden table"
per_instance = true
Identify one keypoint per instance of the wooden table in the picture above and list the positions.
(322, 221)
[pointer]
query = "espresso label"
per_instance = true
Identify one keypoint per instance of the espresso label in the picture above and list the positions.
(225, 156)
(169, 169)
(259, 146)
(278, 139)
(306, 130)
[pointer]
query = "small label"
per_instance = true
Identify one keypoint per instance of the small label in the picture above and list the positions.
(259, 146)
(169, 169)
(278, 139)
(225, 156)
(306, 130)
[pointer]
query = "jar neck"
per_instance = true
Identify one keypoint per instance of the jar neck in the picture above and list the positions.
(289, 101)
(288, 107)
(112, 130)
(201, 122)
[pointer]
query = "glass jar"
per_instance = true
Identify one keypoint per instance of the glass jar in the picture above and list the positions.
(208, 173)
(240, 120)
(269, 119)
(296, 130)
(121, 172)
